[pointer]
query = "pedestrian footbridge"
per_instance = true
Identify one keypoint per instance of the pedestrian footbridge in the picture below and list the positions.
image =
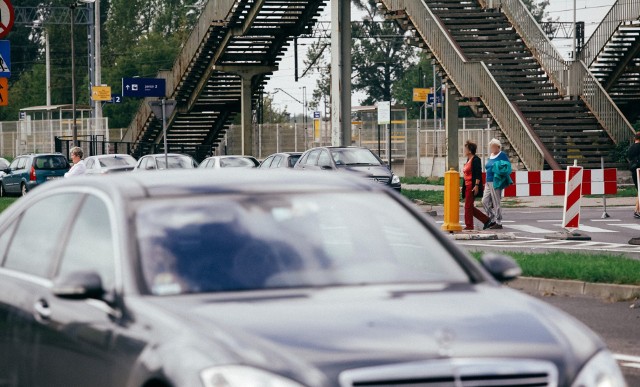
(234, 48)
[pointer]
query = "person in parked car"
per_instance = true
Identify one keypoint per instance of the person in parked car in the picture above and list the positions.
(472, 172)
(78, 168)
(633, 155)
(498, 169)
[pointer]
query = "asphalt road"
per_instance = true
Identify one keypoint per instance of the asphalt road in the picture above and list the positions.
(531, 225)
(616, 323)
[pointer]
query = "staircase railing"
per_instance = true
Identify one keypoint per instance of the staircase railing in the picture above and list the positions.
(574, 79)
(473, 79)
(620, 12)
(213, 12)
(601, 104)
(537, 41)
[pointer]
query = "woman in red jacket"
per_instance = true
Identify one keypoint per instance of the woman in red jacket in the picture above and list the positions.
(472, 172)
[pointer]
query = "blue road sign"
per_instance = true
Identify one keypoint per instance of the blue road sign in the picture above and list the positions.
(5, 59)
(116, 98)
(143, 87)
(439, 98)
(316, 115)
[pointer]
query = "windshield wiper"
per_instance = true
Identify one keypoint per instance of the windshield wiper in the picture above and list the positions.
(368, 164)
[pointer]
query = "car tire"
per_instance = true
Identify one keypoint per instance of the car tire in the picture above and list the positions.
(23, 189)
(3, 193)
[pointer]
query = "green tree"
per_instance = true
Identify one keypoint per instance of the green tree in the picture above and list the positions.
(538, 9)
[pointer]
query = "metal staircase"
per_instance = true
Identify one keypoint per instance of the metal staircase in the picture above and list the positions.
(230, 36)
(498, 52)
(613, 55)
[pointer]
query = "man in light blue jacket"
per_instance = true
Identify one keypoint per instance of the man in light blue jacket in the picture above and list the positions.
(496, 182)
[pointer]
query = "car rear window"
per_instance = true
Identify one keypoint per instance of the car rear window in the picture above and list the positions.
(50, 162)
(236, 162)
(117, 161)
(231, 243)
(293, 160)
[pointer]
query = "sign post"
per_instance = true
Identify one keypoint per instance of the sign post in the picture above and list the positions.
(4, 91)
(144, 87)
(161, 109)
(5, 59)
(7, 17)
(384, 118)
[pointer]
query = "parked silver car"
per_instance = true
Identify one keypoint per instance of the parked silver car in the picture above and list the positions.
(103, 164)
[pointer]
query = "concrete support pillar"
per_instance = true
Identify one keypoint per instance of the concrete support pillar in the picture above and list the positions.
(247, 145)
(451, 124)
(246, 137)
(340, 73)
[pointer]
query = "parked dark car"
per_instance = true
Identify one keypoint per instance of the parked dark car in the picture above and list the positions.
(115, 163)
(28, 171)
(281, 160)
(352, 159)
(159, 162)
(241, 278)
(229, 161)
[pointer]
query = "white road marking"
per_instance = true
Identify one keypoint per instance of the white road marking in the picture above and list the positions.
(530, 229)
(549, 221)
(605, 220)
(556, 245)
(592, 229)
(628, 361)
(633, 226)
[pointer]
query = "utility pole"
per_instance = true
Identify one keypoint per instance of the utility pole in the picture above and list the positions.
(340, 72)
(97, 114)
(73, 74)
(575, 34)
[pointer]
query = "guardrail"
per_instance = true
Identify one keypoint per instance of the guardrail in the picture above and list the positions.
(538, 42)
(621, 11)
(601, 104)
(473, 79)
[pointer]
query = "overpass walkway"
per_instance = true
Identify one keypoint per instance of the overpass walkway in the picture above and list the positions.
(551, 112)
(224, 63)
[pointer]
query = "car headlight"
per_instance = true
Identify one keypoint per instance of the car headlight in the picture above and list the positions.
(601, 371)
(395, 180)
(243, 376)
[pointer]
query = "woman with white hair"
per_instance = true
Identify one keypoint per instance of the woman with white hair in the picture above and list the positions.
(498, 169)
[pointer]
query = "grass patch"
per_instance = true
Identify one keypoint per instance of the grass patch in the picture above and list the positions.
(422, 180)
(429, 197)
(623, 192)
(598, 268)
(6, 202)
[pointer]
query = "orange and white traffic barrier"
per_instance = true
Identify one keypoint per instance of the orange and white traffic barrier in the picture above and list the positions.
(572, 198)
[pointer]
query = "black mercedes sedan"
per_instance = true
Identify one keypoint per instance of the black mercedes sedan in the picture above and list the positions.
(358, 160)
(241, 279)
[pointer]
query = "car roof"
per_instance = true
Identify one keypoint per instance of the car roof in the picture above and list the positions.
(230, 156)
(168, 154)
(208, 181)
(111, 155)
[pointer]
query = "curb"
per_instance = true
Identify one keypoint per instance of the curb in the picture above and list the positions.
(483, 236)
(544, 286)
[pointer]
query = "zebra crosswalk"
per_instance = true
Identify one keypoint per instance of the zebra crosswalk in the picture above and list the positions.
(551, 244)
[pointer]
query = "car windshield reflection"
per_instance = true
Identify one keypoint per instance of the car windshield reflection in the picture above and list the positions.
(313, 240)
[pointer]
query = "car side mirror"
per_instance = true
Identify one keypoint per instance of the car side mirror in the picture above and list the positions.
(79, 285)
(326, 167)
(503, 268)
(7, 170)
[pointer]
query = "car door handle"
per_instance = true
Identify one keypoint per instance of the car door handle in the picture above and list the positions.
(42, 309)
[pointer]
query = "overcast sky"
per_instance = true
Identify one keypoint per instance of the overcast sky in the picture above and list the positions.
(589, 11)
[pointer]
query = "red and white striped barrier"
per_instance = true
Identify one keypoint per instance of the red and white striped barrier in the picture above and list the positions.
(572, 198)
(553, 183)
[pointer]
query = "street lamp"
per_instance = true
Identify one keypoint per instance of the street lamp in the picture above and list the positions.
(73, 7)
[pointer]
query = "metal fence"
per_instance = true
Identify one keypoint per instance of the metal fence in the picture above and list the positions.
(31, 136)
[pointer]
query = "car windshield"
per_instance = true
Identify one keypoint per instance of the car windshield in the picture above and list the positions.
(232, 243)
(237, 162)
(51, 162)
(175, 162)
(4, 164)
(293, 159)
(354, 156)
(117, 161)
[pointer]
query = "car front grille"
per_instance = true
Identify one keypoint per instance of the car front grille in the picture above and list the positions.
(381, 180)
(456, 373)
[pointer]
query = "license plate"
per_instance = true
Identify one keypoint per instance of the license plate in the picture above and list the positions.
(53, 177)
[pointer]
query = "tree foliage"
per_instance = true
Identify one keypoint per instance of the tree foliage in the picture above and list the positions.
(538, 9)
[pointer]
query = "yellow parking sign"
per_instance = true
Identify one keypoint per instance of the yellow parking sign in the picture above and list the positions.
(420, 94)
(101, 93)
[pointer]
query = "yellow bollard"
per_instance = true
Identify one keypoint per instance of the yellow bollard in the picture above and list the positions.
(452, 201)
